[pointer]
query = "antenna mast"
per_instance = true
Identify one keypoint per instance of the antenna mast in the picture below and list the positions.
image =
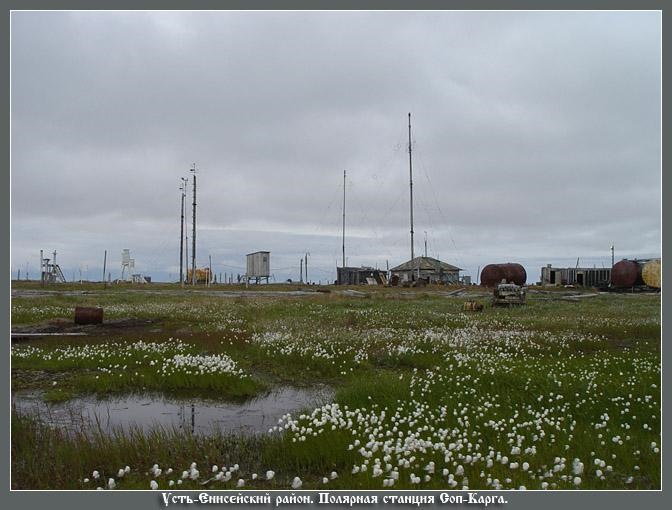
(343, 218)
(193, 233)
(410, 170)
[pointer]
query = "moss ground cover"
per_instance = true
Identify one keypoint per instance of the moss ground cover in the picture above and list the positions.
(553, 395)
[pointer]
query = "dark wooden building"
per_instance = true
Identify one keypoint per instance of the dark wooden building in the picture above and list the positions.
(430, 269)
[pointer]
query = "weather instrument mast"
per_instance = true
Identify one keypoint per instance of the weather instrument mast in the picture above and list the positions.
(410, 171)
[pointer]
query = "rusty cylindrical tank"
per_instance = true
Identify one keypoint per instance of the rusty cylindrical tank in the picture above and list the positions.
(88, 315)
(626, 273)
(651, 273)
(493, 274)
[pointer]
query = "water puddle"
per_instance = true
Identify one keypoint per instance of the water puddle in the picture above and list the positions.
(149, 411)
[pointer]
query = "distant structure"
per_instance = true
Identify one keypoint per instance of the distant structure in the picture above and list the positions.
(360, 276)
(258, 266)
(430, 269)
(202, 276)
(579, 276)
(636, 273)
(50, 271)
(127, 265)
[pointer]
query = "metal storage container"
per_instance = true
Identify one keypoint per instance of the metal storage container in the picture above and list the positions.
(651, 273)
(259, 264)
(88, 315)
(626, 273)
(493, 274)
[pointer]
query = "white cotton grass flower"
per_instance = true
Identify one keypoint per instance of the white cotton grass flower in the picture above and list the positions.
(577, 481)
(270, 474)
(254, 476)
(333, 475)
(241, 483)
(121, 473)
(111, 484)
(153, 485)
(325, 480)
(86, 480)
(171, 483)
(577, 467)
(215, 468)
(127, 469)
(95, 475)
(296, 483)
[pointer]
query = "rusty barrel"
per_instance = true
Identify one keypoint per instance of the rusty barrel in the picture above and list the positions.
(493, 274)
(626, 273)
(88, 315)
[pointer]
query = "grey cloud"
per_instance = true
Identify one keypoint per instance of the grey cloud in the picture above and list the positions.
(536, 135)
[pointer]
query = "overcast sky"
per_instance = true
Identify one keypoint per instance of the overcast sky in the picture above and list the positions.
(536, 138)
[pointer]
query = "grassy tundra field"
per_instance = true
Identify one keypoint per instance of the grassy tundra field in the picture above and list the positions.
(563, 393)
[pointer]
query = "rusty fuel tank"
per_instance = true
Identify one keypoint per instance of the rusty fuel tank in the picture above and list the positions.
(493, 274)
(626, 273)
(651, 273)
(88, 315)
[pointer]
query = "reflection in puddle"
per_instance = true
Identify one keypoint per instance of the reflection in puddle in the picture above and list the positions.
(148, 411)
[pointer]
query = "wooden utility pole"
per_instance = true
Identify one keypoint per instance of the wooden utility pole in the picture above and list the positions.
(183, 193)
(306, 268)
(104, 269)
(301, 270)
